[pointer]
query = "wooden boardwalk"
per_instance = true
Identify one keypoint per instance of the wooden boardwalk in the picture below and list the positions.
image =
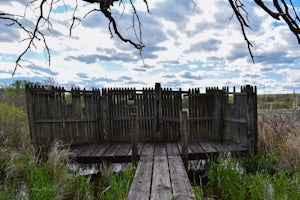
(161, 175)
(160, 172)
(121, 152)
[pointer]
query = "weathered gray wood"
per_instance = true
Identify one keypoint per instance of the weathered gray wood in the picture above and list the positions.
(93, 117)
(208, 147)
(88, 151)
(220, 147)
(172, 149)
(184, 137)
(148, 149)
(29, 103)
(134, 136)
(104, 116)
(196, 148)
(141, 184)
(101, 148)
(160, 149)
(181, 186)
(112, 150)
(217, 115)
(124, 150)
(161, 184)
(140, 148)
(158, 111)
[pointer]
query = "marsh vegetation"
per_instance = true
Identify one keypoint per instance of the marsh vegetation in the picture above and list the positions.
(274, 173)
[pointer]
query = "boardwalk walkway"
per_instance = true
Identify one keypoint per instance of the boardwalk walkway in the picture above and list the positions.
(160, 172)
(161, 175)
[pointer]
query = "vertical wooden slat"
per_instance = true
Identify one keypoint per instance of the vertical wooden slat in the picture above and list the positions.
(158, 111)
(184, 137)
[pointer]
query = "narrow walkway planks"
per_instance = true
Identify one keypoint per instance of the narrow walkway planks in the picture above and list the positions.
(181, 185)
(160, 172)
(141, 184)
(161, 178)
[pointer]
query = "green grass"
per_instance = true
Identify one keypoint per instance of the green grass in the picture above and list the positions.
(273, 174)
(119, 185)
(228, 181)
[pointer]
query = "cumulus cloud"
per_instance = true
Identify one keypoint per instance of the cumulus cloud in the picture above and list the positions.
(44, 71)
(185, 45)
(94, 58)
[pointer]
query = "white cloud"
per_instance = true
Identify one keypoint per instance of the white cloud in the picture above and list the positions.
(186, 46)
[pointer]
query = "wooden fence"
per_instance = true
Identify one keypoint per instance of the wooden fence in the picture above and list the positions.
(81, 116)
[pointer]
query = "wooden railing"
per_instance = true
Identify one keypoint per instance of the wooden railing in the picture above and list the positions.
(86, 116)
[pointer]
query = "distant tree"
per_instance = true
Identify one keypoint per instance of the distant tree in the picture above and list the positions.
(14, 93)
(280, 10)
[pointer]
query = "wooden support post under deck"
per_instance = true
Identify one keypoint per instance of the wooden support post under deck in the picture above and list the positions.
(134, 136)
(184, 137)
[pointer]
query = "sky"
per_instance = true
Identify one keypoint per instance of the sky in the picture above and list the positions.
(188, 44)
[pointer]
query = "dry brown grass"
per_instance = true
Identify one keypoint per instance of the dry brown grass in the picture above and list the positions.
(279, 138)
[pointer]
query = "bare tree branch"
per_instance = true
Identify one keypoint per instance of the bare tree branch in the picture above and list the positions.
(236, 5)
(280, 10)
(34, 35)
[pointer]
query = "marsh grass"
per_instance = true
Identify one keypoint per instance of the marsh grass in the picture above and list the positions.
(279, 139)
(272, 174)
(118, 185)
(228, 181)
(25, 174)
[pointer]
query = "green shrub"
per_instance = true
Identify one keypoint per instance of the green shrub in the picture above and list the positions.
(13, 125)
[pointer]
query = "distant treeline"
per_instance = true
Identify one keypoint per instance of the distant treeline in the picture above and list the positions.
(278, 101)
(15, 94)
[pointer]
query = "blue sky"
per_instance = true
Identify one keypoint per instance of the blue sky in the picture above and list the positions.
(187, 46)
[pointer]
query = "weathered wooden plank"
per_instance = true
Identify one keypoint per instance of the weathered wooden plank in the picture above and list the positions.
(196, 148)
(220, 147)
(181, 186)
(148, 149)
(141, 184)
(208, 147)
(160, 149)
(161, 184)
(172, 149)
(101, 148)
(180, 148)
(87, 151)
(140, 148)
(112, 150)
(124, 150)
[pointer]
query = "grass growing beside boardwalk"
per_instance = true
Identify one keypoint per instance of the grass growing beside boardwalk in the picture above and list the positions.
(25, 175)
(272, 174)
(228, 181)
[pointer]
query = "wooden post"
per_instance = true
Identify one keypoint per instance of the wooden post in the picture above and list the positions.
(158, 112)
(184, 137)
(251, 113)
(29, 103)
(104, 115)
(134, 136)
(76, 103)
(217, 133)
(255, 136)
